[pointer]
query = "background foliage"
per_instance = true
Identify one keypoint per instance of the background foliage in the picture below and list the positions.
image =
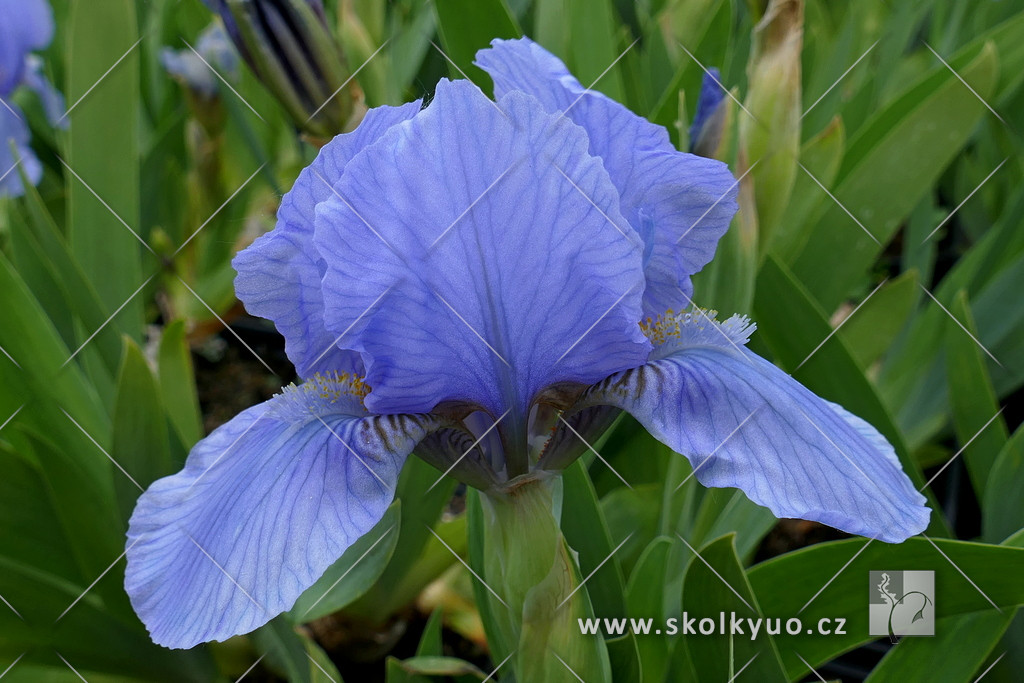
(880, 249)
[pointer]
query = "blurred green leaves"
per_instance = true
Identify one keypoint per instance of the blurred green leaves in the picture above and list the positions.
(888, 165)
(103, 198)
(835, 582)
(466, 26)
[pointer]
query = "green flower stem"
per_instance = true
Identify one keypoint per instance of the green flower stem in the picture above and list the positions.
(528, 563)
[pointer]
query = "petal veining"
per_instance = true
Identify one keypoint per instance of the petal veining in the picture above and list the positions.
(262, 508)
(743, 422)
(493, 241)
(279, 274)
(689, 199)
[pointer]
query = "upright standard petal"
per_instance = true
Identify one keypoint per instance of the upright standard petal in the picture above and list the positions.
(264, 505)
(279, 274)
(494, 244)
(680, 203)
(743, 422)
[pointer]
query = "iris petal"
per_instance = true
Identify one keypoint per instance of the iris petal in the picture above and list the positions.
(743, 422)
(33, 20)
(51, 99)
(263, 506)
(13, 128)
(27, 25)
(494, 244)
(689, 200)
(279, 275)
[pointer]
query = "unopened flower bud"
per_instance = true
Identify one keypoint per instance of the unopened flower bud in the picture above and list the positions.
(770, 136)
(710, 117)
(289, 47)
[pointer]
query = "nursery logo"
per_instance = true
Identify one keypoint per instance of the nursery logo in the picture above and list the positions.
(901, 603)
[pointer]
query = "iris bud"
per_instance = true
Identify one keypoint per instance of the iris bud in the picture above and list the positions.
(710, 120)
(194, 70)
(771, 139)
(289, 47)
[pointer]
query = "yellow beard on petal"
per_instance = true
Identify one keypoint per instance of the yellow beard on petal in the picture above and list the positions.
(696, 327)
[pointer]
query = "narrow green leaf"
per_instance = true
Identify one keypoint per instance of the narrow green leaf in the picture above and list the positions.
(324, 670)
(971, 636)
(88, 512)
(423, 499)
(632, 516)
(500, 646)
(433, 561)
(632, 452)
(42, 579)
(722, 511)
(699, 27)
(913, 378)
(687, 21)
(430, 641)
(586, 532)
(1008, 666)
(830, 580)
(924, 128)
(720, 589)
(177, 384)
(645, 600)
(593, 46)
(55, 400)
(441, 666)
(870, 331)
(1002, 511)
(624, 655)
(293, 653)
(973, 399)
(40, 233)
(821, 155)
(28, 337)
(41, 277)
(727, 283)
(549, 26)
(1008, 39)
(103, 152)
(919, 250)
(352, 575)
(394, 673)
(409, 46)
(832, 45)
(467, 26)
(140, 441)
(359, 40)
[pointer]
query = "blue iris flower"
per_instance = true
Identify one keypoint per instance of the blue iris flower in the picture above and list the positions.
(195, 68)
(27, 25)
(469, 280)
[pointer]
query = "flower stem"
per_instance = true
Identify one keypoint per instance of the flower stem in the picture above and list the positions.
(528, 564)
